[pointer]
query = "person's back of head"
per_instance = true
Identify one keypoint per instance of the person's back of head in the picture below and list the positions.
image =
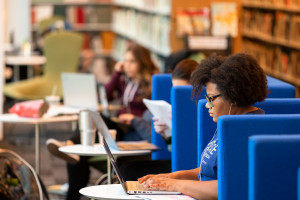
(181, 74)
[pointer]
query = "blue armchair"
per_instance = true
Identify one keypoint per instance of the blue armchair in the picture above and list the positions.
(161, 89)
(280, 89)
(233, 134)
(273, 166)
(184, 128)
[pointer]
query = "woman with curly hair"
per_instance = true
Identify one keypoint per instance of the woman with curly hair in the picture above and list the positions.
(233, 85)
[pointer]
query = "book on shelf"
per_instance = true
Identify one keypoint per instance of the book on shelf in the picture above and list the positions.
(282, 26)
(295, 62)
(192, 21)
(224, 19)
(295, 29)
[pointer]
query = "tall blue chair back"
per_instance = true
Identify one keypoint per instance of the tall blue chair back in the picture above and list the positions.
(206, 127)
(280, 89)
(299, 183)
(184, 128)
(233, 134)
(273, 166)
(161, 90)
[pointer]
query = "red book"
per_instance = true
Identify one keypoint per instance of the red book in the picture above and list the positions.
(80, 15)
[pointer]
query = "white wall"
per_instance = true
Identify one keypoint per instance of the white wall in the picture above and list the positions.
(18, 21)
(2, 22)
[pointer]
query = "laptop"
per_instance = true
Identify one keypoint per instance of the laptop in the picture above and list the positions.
(132, 187)
(79, 91)
(102, 128)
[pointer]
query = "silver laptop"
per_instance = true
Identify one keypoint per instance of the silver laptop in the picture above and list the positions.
(79, 91)
(132, 187)
(103, 130)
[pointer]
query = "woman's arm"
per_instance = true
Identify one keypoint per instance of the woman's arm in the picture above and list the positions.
(112, 85)
(201, 190)
(184, 175)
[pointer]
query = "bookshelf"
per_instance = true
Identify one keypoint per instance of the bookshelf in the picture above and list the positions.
(271, 33)
(90, 17)
(152, 24)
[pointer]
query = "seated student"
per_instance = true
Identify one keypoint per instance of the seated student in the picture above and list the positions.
(181, 75)
(233, 85)
(134, 169)
(131, 82)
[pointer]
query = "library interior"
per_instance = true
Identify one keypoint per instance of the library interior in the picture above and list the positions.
(203, 94)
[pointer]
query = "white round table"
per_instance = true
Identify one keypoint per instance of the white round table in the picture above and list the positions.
(106, 192)
(14, 118)
(18, 60)
(98, 150)
(116, 192)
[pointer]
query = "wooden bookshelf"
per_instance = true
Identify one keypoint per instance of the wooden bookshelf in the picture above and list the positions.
(166, 18)
(271, 34)
(268, 6)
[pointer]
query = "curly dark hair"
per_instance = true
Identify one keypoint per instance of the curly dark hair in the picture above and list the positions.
(184, 69)
(239, 78)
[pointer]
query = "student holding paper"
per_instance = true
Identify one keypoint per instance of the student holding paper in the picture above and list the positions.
(233, 85)
(180, 76)
(135, 169)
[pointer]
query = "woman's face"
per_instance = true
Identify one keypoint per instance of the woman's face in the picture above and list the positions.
(220, 106)
(177, 82)
(131, 66)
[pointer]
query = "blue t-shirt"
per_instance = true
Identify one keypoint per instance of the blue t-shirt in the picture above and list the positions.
(209, 156)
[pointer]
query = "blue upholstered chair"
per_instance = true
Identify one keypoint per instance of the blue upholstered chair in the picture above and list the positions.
(233, 134)
(280, 89)
(161, 90)
(273, 166)
(206, 127)
(184, 128)
(299, 184)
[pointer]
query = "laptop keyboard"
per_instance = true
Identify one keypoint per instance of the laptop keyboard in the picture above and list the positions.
(135, 185)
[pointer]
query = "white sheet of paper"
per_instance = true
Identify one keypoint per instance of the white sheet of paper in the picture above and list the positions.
(161, 110)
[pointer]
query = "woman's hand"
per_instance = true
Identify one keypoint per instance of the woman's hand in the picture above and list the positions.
(126, 118)
(119, 66)
(159, 127)
(161, 182)
(149, 176)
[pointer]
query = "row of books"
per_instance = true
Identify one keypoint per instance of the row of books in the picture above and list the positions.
(88, 14)
(156, 6)
(221, 19)
(278, 3)
(99, 42)
(279, 25)
(193, 21)
(70, 1)
(73, 14)
(275, 59)
(120, 45)
(151, 31)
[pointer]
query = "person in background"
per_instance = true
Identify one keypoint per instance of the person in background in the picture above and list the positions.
(130, 83)
(181, 75)
(134, 169)
(233, 85)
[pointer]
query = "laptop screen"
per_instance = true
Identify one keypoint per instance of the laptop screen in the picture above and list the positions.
(102, 128)
(114, 164)
(79, 90)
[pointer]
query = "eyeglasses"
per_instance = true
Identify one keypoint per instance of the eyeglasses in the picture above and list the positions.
(211, 99)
